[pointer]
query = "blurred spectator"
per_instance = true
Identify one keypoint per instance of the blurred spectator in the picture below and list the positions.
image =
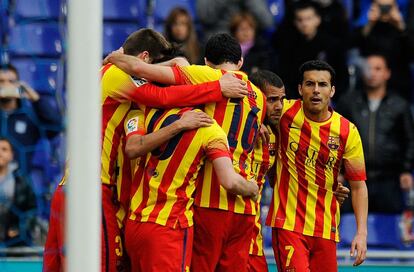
(307, 41)
(23, 112)
(335, 19)
(16, 200)
(387, 131)
(179, 29)
(215, 15)
(255, 50)
(386, 33)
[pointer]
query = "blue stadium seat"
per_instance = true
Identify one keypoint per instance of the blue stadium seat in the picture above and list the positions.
(44, 75)
(114, 35)
(38, 9)
(383, 231)
(3, 20)
(162, 8)
(132, 10)
(36, 39)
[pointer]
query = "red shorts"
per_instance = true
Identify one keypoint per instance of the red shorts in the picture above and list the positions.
(152, 247)
(221, 240)
(53, 257)
(257, 264)
(295, 252)
(113, 258)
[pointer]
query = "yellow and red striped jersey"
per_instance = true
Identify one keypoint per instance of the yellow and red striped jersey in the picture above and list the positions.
(119, 89)
(240, 120)
(263, 160)
(163, 185)
(134, 124)
(310, 156)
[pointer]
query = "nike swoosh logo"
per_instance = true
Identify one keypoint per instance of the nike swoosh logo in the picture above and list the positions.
(290, 126)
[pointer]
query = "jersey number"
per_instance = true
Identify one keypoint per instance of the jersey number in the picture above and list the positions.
(250, 126)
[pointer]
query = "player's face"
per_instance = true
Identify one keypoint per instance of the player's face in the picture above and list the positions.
(316, 91)
(6, 153)
(377, 73)
(274, 103)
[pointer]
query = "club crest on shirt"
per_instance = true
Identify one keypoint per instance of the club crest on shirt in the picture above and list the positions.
(333, 142)
(132, 125)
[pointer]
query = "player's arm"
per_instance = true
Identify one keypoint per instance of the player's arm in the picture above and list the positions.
(354, 166)
(359, 194)
(233, 182)
(138, 145)
(217, 151)
(137, 67)
(230, 86)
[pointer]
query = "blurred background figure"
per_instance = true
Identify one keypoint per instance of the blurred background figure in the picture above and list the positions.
(386, 126)
(25, 117)
(304, 39)
(16, 104)
(256, 51)
(180, 30)
(386, 32)
(17, 201)
(215, 15)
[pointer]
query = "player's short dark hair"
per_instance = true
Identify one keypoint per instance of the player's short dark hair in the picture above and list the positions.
(9, 67)
(222, 48)
(317, 65)
(264, 78)
(146, 40)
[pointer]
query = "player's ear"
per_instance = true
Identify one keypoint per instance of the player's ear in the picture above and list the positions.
(147, 57)
(332, 92)
(240, 63)
(300, 89)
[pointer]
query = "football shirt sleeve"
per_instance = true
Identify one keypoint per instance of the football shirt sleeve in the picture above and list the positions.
(123, 87)
(215, 142)
(354, 162)
(134, 123)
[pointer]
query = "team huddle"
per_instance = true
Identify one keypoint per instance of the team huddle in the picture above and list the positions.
(186, 150)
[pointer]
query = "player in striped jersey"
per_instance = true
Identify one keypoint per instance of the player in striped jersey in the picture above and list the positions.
(53, 256)
(264, 156)
(224, 244)
(118, 90)
(161, 204)
(128, 160)
(314, 141)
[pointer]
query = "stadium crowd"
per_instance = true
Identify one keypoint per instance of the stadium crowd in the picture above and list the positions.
(369, 81)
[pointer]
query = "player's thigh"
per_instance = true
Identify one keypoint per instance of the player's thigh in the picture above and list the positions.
(152, 247)
(209, 234)
(235, 252)
(290, 250)
(323, 255)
